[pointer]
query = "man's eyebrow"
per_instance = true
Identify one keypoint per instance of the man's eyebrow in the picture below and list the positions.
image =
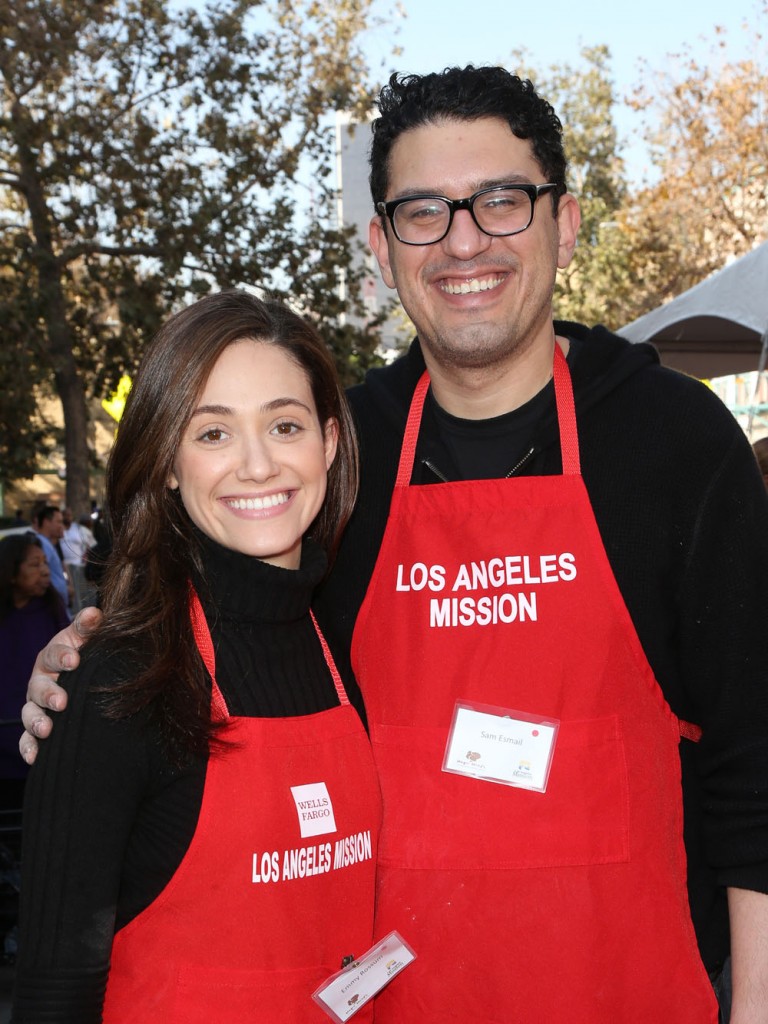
(507, 179)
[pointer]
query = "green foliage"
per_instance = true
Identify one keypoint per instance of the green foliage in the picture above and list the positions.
(705, 124)
(24, 437)
(590, 289)
(150, 152)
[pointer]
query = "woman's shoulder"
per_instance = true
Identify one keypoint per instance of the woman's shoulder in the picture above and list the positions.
(106, 665)
(93, 690)
(94, 736)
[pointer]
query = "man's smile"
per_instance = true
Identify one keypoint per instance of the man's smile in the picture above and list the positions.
(473, 284)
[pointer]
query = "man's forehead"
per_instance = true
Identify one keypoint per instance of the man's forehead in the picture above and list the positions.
(450, 155)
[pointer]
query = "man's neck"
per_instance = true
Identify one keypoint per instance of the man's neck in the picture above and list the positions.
(484, 392)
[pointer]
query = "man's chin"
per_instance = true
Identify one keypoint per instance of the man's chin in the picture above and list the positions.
(472, 350)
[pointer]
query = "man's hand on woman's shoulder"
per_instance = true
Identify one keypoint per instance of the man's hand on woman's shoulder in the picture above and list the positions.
(43, 692)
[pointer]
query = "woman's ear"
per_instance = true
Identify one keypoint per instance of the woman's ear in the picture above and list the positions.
(331, 441)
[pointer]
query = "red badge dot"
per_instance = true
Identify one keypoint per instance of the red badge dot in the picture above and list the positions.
(535, 732)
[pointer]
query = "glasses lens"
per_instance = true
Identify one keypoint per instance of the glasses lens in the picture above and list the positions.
(422, 221)
(503, 211)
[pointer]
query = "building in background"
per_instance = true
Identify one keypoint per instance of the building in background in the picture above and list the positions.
(354, 210)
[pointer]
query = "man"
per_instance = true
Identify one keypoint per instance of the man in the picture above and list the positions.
(49, 526)
(76, 542)
(77, 539)
(587, 592)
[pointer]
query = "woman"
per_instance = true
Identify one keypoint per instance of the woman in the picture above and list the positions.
(204, 818)
(31, 612)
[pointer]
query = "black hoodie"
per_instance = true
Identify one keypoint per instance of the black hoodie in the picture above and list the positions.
(683, 515)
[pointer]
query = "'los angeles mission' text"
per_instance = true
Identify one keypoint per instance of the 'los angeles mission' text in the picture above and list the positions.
(488, 577)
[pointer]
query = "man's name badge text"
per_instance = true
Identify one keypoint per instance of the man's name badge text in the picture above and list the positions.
(500, 745)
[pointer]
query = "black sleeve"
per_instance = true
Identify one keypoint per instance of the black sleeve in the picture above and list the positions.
(724, 651)
(81, 802)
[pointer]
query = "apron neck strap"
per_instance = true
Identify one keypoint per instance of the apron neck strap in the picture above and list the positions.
(340, 691)
(202, 635)
(408, 451)
(566, 416)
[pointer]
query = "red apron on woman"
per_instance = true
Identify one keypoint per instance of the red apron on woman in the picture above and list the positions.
(268, 898)
(560, 907)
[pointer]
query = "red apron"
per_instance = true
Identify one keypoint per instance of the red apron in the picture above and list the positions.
(563, 907)
(270, 896)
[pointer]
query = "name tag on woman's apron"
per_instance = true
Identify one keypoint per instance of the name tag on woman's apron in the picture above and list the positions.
(500, 745)
(347, 991)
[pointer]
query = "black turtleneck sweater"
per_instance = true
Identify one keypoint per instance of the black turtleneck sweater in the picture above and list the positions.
(108, 817)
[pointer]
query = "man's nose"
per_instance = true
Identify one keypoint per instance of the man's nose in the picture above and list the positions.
(465, 240)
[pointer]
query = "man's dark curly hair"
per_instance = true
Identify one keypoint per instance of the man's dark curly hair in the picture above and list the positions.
(466, 94)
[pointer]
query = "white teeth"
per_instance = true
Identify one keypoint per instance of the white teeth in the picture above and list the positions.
(258, 503)
(473, 285)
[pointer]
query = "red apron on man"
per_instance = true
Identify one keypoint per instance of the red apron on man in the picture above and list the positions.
(524, 907)
(268, 899)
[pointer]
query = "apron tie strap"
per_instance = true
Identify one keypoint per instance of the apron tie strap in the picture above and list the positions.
(689, 731)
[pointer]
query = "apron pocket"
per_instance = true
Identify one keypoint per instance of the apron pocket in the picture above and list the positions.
(218, 995)
(452, 822)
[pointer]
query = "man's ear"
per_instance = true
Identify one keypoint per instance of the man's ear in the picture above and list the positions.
(568, 221)
(378, 239)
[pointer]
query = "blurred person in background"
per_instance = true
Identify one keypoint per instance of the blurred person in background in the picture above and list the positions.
(48, 522)
(76, 542)
(31, 612)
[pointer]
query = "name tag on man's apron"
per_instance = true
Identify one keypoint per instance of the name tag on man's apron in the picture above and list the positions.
(500, 745)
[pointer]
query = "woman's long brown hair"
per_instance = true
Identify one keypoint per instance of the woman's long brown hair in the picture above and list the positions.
(146, 586)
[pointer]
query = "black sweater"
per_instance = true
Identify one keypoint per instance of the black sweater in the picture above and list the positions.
(683, 514)
(107, 816)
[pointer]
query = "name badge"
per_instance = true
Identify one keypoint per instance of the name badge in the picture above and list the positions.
(500, 745)
(351, 988)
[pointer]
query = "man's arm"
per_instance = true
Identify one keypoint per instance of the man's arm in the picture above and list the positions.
(749, 956)
(59, 655)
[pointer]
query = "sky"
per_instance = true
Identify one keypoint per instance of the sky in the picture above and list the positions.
(434, 34)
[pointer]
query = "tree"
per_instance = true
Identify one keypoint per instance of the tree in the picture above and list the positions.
(705, 126)
(24, 435)
(152, 152)
(591, 288)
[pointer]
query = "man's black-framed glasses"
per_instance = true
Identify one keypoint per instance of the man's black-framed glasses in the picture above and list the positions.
(498, 211)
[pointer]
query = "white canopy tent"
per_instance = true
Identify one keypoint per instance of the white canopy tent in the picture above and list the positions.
(716, 328)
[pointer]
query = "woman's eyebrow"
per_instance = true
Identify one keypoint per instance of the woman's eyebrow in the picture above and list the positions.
(215, 410)
(271, 406)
